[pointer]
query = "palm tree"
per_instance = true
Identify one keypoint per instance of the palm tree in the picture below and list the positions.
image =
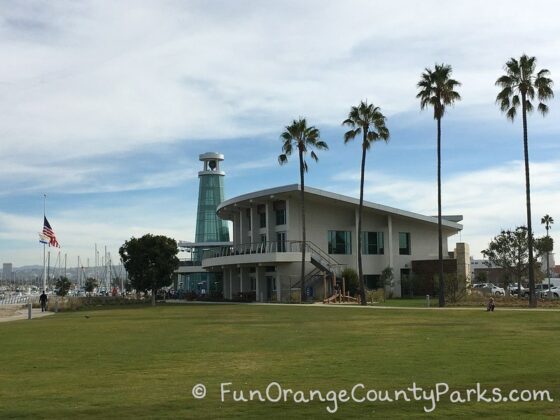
(437, 90)
(546, 220)
(367, 120)
(299, 135)
(520, 85)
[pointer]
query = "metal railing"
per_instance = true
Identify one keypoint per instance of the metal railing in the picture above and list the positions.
(328, 262)
(16, 299)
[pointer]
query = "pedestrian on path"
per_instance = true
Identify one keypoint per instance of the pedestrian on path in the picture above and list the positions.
(43, 299)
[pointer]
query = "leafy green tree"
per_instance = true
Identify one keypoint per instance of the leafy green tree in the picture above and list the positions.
(519, 86)
(509, 250)
(303, 138)
(90, 285)
(437, 90)
(150, 262)
(62, 286)
(387, 276)
(368, 121)
(351, 280)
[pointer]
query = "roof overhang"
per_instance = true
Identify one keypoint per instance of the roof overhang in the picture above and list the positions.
(226, 208)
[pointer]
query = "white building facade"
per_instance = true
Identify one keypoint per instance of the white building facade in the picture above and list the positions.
(265, 258)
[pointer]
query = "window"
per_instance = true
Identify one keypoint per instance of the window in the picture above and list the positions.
(340, 242)
(373, 281)
(280, 212)
(263, 238)
(372, 243)
(248, 217)
(404, 243)
(281, 241)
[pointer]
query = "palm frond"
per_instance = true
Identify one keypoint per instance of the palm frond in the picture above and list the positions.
(282, 159)
(543, 109)
(314, 156)
(521, 81)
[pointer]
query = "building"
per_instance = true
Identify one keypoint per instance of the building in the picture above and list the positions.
(264, 260)
(7, 272)
(211, 231)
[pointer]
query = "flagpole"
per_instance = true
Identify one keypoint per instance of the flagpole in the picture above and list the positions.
(44, 245)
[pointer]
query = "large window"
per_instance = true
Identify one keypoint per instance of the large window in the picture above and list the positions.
(262, 215)
(281, 241)
(372, 243)
(373, 281)
(340, 242)
(404, 243)
(280, 212)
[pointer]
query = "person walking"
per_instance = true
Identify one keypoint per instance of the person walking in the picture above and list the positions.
(43, 299)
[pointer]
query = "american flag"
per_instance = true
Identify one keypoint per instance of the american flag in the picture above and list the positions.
(49, 233)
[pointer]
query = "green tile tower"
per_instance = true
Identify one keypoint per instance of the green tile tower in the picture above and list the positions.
(211, 231)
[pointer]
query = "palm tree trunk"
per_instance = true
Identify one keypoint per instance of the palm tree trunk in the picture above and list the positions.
(532, 297)
(360, 208)
(440, 239)
(154, 292)
(303, 239)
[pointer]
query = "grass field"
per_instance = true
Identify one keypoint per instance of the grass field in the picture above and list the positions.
(143, 362)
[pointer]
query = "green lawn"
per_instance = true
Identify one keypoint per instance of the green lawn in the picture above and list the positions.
(143, 362)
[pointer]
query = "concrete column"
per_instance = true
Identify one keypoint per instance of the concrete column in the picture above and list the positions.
(270, 223)
(242, 279)
(355, 241)
(242, 229)
(254, 224)
(278, 286)
(258, 287)
(463, 262)
(390, 241)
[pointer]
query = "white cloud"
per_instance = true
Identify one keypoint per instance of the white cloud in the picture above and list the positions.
(489, 199)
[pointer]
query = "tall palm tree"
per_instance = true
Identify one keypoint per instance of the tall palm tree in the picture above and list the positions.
(519, 86)
(298, 135)
(437, 90)
(546, 220)
(367, 120)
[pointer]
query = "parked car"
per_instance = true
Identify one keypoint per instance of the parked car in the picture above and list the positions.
(555, 292)
(490, 288)
(541, 289)
(513, 290)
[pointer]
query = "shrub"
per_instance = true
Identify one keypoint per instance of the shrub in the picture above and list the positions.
(351, 281)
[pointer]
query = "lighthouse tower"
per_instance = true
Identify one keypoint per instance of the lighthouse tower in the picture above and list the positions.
(211, 231)
(209, 227)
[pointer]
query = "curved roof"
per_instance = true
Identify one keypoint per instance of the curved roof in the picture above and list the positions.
(224, 208)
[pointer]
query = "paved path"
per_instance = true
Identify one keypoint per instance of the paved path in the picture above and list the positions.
(15, 314)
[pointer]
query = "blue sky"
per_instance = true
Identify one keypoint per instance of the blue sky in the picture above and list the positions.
(105, 108)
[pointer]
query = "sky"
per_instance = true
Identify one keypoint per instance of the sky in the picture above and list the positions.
(105, 107)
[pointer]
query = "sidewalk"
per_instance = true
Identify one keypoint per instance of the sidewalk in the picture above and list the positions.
(17, 313)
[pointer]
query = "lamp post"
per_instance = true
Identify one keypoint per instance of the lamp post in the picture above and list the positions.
(547, 221)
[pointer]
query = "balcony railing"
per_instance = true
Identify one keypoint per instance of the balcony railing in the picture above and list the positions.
(253, 248)
(278, 246)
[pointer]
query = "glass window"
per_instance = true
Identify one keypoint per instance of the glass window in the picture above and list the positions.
(280, 217)
(280, 212)
(373, 243)
(372, 281)
(340, 242)
(262, 220)
(281, 241)
(404, 243)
